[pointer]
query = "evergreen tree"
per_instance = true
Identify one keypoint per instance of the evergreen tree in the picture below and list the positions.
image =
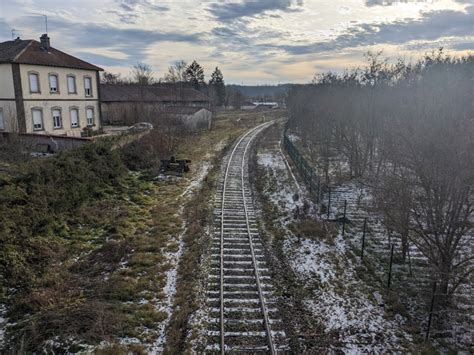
(195, 75)
(218, 86)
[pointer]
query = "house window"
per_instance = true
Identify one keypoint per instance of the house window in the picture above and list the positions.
(90, 116)
(53, 84)
(2, 120)
(71, 84)
(57, 121)
(37, 119)
(74, 117)
(88, 86)
(34, 82)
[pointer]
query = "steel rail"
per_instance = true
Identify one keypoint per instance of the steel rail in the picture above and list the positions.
(257, 276)
(222, 330)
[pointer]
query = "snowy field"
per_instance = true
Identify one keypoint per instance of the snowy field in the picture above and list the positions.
(345, 305)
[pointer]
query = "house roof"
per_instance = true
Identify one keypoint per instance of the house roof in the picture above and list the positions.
(30, 52)
(151, 93)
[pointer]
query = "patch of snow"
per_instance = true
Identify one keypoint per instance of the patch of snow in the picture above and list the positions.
(336, 296)
(169, 290)
(198, 178)
(275, 164)
(3, 323)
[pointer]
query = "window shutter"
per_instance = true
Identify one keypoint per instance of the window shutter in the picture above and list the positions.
(37, 119)
(74, 118)
(53, 83)
(34, 83)
(90, 117)
(71, 84)
(88, 86)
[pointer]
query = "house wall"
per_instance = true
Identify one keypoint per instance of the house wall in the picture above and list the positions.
(63, 100)
(44, 71)
(6, 79)
(7, 98)
(64, 106)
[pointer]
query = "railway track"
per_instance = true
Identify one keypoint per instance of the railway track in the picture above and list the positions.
(242, 306)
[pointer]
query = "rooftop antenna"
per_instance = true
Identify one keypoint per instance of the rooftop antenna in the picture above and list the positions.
(45, 20)
(14, 32)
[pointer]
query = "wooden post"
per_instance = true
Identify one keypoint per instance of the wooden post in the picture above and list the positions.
(409, 261)
(344, 219)
(329, 201)
(390, 268)
(363, 239)
(319, 188)
(431, 311)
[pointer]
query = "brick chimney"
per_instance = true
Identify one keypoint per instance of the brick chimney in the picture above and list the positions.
(44, 40)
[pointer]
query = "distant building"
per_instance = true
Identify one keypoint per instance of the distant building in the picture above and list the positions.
(127, 104)
(46, 91)
(248, 105)
(266, 104)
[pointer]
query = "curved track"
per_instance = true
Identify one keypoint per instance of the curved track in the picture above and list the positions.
(243, 317)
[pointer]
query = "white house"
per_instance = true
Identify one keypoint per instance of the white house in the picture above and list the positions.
(46, 91)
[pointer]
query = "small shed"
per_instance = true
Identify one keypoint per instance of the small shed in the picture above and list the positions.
(193, 118)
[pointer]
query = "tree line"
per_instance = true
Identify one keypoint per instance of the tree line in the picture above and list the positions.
(406, 129)
(179, 73)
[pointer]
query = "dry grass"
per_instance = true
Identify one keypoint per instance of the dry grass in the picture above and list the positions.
(109, 275)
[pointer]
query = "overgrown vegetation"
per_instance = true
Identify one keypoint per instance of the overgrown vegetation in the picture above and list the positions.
(85, 238)
(405, 130)
(81, 250)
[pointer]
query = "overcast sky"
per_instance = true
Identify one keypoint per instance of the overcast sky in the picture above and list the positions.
(252, 41)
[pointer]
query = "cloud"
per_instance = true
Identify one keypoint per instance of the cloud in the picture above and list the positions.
(132, 42)
(133, 5)
(227, 12)
(371, 3)
(432, 26)
(129, 11)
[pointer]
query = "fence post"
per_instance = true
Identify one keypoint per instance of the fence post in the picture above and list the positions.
(363, 239)
(319, 188)
(409, 261)
(329, 201)
(390, 268)
(431, 311)
(344, 219)
(311, 181)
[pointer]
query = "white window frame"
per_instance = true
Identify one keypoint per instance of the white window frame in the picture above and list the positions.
(88, 91)
(2, 119)
(77, 117)
(71, 76)
(57, 83)
(40, 110)
(59, 123)
(90, 123)
(38, 88)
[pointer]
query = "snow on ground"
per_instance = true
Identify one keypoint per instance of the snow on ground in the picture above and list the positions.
(3, 323)
(285, 196)
(169, 291)
(336, 297)
(173, 259)
(198, 178)
(339, 299)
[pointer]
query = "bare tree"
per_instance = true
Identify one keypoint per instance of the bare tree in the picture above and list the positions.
(142, 74)
(176, 73)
